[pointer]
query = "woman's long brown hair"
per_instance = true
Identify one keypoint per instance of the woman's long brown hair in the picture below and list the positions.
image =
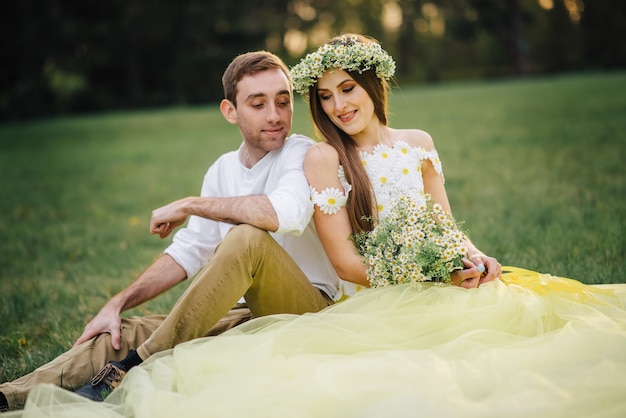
(361, 203)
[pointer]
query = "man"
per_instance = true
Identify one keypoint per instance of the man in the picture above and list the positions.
(252, 224)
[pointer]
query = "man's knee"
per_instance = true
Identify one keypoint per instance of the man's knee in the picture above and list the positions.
(244, 236)
(245, 231)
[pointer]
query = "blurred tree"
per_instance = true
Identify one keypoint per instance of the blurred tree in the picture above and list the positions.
(562, 49)
(74, 55)
(85, 55)
(406, 46)
(604, 25)
(503, 20)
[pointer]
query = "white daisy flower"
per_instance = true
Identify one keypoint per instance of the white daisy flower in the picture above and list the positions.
(330, 200)
(347, 187)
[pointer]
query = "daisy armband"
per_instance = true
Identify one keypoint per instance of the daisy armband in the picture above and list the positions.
(330, 200)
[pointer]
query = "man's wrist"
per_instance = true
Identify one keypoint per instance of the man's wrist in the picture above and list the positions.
(191, 205)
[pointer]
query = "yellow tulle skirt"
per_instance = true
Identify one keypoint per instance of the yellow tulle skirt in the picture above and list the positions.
(528, 345)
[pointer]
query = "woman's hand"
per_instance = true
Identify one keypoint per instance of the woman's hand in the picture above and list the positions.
(491, 268)
(478, 270)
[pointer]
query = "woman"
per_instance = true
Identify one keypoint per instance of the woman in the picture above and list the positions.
(349, 108)
(536, 346)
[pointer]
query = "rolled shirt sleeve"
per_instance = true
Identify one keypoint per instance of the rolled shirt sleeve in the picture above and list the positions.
(279, 176)
(290, 197)
(192, 247)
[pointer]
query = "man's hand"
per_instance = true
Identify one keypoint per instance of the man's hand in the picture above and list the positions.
(160, 276)
(107, 320)
(167, 218)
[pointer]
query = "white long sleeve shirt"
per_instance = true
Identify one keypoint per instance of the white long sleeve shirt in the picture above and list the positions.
(278, 175)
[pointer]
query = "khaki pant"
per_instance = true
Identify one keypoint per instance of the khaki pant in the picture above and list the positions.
(248, 262)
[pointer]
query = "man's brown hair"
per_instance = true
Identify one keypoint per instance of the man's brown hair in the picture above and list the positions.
(247, 64)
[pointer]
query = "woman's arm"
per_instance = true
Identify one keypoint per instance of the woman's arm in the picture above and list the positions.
(434, 185)
(321, 166)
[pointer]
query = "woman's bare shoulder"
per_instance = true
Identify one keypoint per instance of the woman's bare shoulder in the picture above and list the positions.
(322, 152)
(414, 137)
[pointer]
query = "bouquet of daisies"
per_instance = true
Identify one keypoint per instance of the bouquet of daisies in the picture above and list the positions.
(416, 241)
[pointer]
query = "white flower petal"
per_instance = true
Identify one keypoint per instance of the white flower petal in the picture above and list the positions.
(330, 200)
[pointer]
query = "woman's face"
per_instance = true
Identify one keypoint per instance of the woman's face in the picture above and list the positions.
(345, 102)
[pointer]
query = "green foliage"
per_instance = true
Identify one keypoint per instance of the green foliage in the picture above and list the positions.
(78, 56)
(534, 168)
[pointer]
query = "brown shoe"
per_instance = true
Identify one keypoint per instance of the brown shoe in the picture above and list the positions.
(103, 383)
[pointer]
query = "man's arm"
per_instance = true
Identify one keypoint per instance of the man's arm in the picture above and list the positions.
(160, 276)
(253, 210)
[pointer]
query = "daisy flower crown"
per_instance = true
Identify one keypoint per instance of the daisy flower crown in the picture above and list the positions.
(347, 54)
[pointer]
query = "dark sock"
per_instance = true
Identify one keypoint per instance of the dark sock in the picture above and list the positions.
(131, 360)
(4, 404)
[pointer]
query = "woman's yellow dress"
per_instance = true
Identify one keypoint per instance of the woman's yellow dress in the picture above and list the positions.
(528, 345)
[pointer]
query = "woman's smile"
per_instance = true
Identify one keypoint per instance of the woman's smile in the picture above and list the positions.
(347, 116)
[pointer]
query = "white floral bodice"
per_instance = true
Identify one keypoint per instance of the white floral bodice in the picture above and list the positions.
(392, 171)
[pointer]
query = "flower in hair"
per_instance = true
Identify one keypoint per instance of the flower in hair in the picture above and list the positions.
(348, 54)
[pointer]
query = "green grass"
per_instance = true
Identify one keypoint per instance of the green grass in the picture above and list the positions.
(533, 166)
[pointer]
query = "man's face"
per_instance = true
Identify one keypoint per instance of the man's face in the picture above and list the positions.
(264, 111)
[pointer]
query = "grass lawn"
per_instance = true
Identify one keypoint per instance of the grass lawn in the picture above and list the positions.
(534, 167)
